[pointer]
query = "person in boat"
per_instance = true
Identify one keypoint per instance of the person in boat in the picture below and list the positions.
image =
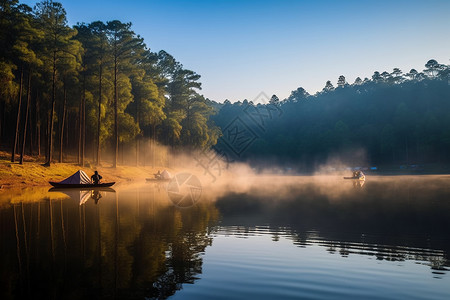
(96, 178)
(158, 175)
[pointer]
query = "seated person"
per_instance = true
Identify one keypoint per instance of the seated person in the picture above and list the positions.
(158, 175)
(96, 178)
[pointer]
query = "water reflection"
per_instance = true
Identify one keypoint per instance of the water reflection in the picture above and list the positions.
(135, 243)
(128, 245)
(83, 195)
(393, 219)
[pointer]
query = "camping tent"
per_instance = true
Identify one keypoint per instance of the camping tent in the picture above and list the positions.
(165, 175)
(78, 178)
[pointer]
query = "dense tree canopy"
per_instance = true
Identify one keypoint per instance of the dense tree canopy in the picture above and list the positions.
(95, 86)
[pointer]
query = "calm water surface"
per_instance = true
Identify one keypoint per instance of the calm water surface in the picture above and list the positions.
(272, 238)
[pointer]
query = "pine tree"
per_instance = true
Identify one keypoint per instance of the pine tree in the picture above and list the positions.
(58, 43)
(125, 46)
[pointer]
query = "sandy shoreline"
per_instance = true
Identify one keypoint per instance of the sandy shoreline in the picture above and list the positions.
(14, 175)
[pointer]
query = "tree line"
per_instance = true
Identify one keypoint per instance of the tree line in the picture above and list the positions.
(393, 117)
(65, 89)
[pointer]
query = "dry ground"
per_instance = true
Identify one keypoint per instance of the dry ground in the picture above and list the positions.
(33, 173)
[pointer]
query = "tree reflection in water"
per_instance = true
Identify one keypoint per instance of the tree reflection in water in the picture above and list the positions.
(391, 218)
(135, 243)
(131, 244)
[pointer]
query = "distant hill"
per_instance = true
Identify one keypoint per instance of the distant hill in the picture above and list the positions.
(392, 118)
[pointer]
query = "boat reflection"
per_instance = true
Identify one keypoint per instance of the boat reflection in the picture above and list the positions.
(358, 183)
(83, 195)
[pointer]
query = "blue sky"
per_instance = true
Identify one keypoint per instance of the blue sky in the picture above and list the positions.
(242, 48)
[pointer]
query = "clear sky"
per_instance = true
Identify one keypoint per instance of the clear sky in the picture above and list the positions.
(242, 48)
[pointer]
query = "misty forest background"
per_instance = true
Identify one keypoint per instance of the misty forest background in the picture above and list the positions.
(92, 92)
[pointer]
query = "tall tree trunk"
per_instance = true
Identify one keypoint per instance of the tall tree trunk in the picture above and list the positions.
(2, 120)
(145, 152)
(61, 138)
(122, 144)
(47, 129)
(26, 118)
(83, 134)
(153, 141)
(50, 133)
(99, 113)
(38, 126)
(137, 136)
(80, 116)
(16, 134)
(67, 141)
(2, 107)
(31, 148)
(116, 125)
(137, 151)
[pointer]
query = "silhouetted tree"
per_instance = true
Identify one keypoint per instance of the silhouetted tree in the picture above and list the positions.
(341, 81)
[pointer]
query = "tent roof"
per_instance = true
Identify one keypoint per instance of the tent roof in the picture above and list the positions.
(165, 175)
(78, 177)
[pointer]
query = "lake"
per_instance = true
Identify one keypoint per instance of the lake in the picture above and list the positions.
(268, 237)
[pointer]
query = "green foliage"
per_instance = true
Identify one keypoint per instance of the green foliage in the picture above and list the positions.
(104, 69)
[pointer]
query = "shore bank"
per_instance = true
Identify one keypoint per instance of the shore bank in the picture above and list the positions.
(33, 173)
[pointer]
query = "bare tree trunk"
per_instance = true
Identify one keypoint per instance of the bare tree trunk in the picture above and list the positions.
(99, 113)
(153, 141)
(83, 149)
(137, 151)
(13, 152)
(31, 148)
(122, 144)
(61, 138)
(67, 142)
(26, 118)
(145, 152)
(116, 125)
(2, 108)
(38, 126)
(137, 136)
(50, 133)
(2, 120)
(80, 116)
(47, 129)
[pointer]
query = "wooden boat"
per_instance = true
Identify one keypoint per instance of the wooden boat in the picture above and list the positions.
(79, 180)
(81, 186)
(66, 190)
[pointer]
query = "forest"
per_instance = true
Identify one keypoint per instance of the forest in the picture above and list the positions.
(392, 118)
(94, 91)
(91, 90)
